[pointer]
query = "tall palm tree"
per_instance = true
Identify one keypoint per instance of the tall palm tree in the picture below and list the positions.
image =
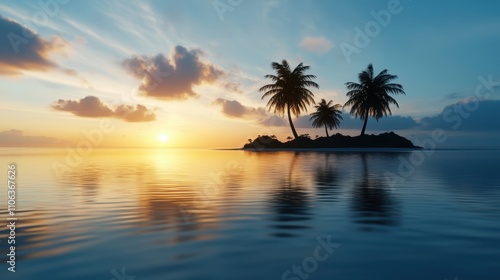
(289, 90)
(327, 115)
(370, 98)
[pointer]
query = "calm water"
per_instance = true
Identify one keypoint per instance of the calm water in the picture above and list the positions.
(201, 214)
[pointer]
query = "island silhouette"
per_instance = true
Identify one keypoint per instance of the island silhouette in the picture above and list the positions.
(369, 97)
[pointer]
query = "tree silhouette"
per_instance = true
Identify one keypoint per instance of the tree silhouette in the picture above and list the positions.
(289, 202)
(327, 115)
(370, 97)
(373, 203)
(289, 90)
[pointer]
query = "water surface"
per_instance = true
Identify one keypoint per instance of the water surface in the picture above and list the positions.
(203, 214)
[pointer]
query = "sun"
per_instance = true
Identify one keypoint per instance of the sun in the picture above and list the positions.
(163, 137)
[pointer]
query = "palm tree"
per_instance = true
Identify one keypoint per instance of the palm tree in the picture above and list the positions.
(370, 98)
(289, 90)
(327, 115)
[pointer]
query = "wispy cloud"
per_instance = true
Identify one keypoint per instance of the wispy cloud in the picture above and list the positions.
(17, 138)
(268, 6)
(319, 45)
(83, 28)
(233, 87)
(453, 96)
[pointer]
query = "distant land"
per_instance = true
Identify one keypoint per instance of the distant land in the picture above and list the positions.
(384, 140)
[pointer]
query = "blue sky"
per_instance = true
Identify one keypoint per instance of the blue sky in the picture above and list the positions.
(439, 50)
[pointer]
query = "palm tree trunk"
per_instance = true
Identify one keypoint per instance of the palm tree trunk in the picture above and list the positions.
(364, 125)
(326, 130)
(295, 135)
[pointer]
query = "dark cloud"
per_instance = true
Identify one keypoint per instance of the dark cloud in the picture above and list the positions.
(302, 122)
(388, 123)
(470, 115)
(471, 121)
(16, 138)
(93, 107)
(385, 124)
(172, 78)
(473, 115)
(235, 109)
(22, 49)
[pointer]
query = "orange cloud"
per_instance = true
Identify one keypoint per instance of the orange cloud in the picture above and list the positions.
(172, 78)
(319, 45)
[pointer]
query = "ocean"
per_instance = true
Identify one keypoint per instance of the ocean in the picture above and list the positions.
(128, 214)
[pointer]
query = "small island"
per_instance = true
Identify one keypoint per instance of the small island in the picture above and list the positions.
(384, 140)
(369, 97)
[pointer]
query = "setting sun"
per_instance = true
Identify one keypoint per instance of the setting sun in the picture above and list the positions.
(163, 138)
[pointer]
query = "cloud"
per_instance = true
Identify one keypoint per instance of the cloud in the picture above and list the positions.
(268, 6)
(475, 116)
(319, 45)
(172, 78)
(273, 121)
(388, 123)
(233, 87)
(471, 115)
(453, 96)
(89, 106)
(93, 107)
(235, 109)
(139, 113)
(303, 122)
(71, 72)
(385, 124)
(16, 138)
(21, 49)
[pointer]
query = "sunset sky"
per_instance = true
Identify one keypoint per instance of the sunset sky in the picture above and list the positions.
(187, 73)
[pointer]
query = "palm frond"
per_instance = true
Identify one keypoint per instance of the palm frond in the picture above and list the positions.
(370, 97)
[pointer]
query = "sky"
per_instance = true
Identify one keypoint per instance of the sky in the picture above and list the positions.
(186, 74)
